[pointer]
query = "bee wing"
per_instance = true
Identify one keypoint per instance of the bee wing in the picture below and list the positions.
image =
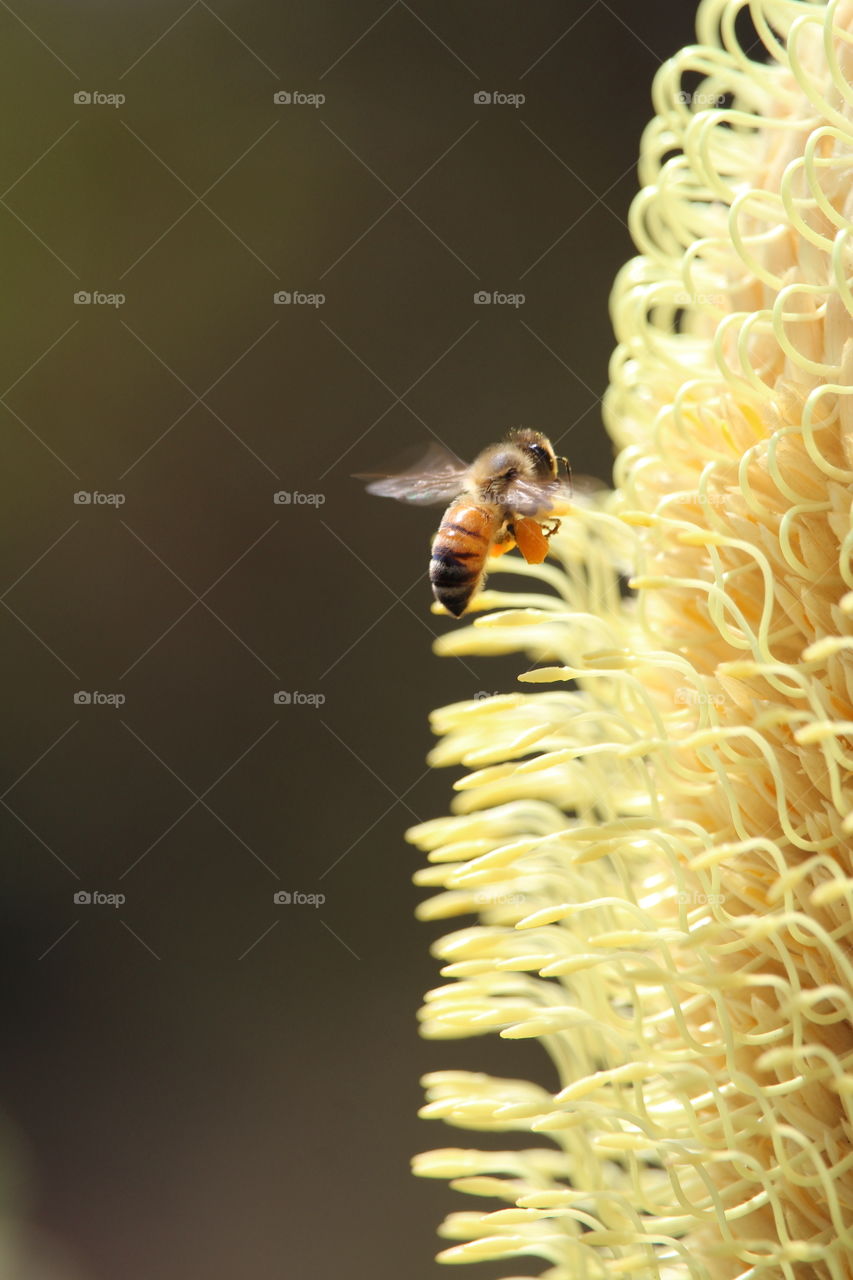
(437, 478)
(532, 498)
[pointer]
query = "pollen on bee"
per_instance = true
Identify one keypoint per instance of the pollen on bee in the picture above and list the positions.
(531, 541)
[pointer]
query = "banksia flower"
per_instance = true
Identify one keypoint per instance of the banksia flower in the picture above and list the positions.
(657, 840)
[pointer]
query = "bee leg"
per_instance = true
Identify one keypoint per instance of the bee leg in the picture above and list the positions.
(550, 528)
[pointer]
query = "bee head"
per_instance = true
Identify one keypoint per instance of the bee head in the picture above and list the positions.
(538, 450)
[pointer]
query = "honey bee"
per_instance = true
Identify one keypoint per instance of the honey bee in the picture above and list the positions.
(500, 501)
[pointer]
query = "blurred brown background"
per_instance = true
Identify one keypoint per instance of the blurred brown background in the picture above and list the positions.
(200, 1081)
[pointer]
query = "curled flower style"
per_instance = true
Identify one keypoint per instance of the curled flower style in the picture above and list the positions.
(658, 850)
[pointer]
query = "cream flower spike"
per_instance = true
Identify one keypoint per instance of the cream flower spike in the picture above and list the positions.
(659, 854)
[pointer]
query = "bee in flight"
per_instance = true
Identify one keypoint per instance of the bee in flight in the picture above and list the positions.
(503, 499)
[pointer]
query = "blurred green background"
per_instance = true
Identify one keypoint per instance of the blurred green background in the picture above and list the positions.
(200, 1081)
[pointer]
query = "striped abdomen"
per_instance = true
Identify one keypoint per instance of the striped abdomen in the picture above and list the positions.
(459, 551)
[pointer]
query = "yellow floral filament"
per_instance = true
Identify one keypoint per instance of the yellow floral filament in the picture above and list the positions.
(656, 838)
